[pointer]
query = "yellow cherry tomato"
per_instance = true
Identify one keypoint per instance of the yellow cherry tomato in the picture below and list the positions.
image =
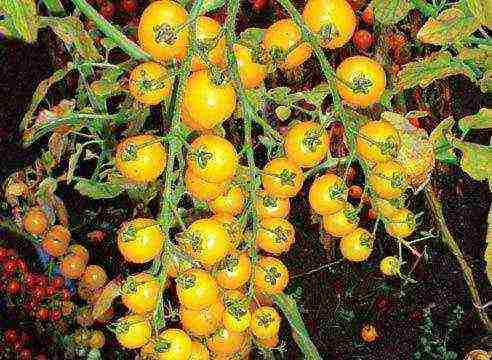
(231, 202)
(366, 78)
(162, 31)
(265, 322)
(333, 20)
(206, 104)
(271, 275)
(150, 83)
(276, 235)
(401, 223)
(201, 189)
(213, 158)
(199, 351)
(210, 40)
(207, 241)
(224, 341)
(173, 344)
(342, 222)
(328, 194)
(390, 266)
(197, 289)
(232, 226)
(306, 143)
(251, 73)
(140, 240)
(140, 293)
(234, 270)
(378, 141)
(237, 315)
(357, 246)
(369, 333)
(202, 322)
(388, 180)
(141, 158)
(283, 42)
(269, 343)
(271, 206)
(281, 177)
(133, 331)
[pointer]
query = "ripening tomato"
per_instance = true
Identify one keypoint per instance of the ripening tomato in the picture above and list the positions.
(333, 20)
(231, 202)
(363, 39)
(140, 240)
(94, 277)
(35, 221)
(133, 331)
(150, 83)
(201, 189)
(141, 158)
(163, 32)
(265, 322)
(234, 270)
(202, 322)
(271, 275)
(369, 333)
(213, 158)
(206, 104)
(306, 143)
(224, 341)
(251, 72)
(388, 180)
(56, 240)
(140, 293)
(282, 177)
(173, 344)
(378, 141)
(197, 289)
(357, 246)
(282, 41)
(390, 266)
(271, 206)
(366, 79)
(211, 41)
(207, 241)
(276, 235)
(79, 250)
(342, 222)
(73, 266)
(198, 351)
(328, 194)
(401, 223)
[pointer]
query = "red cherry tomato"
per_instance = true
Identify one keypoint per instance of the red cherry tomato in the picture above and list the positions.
(9, 267)
(368, 16)
(31, 280)
(25, 354)
(10, 336)
(107, 10)
(363, 39)
(3, 254)
(55, 315)
(38, 293)
(50, 291)
(43, 314)
(57, 282)
(129, 6)
(13, 287)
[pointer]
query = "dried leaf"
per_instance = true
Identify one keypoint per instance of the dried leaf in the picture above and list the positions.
(397, 120)
(72, 162)
(482, 10)
(389, 12)
(97, 190)
(481, 120)
(451, 26)
(22, 20)
(476, 159)
(110, 292)
(425, 71)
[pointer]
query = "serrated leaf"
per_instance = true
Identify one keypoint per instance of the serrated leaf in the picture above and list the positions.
(482, 10)
(110, 292)
(71, 31)
(252, 37)
(425, 71)
(22, 20)
(443, 150)
(476, 160)
(481, 120)
(451, 26)
(389, 12)
(97, 190)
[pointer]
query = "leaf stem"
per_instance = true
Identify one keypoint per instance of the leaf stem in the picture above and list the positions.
(55, 7)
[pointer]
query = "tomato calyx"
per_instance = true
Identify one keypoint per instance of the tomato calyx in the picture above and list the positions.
(193, 240)
(328, 32)
(129, 153)
(271, 275)
(264, 320)
(389, 146)
(281, 235)
(361, 84)
(201, 156)
(398, 181)
(162, 346)
(366, 241)
(312, 139)
(186, 281)
(286, 177)
(269, 201)
(129, 234)
(229, 263)
(165, 33)
(129, 286)
(337, 191)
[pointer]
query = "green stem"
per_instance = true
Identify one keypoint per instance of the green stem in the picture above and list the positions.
(55, 7)
(425, 8)
(436, 208)
(111, 31)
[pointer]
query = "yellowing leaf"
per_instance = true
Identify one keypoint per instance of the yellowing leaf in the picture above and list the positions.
(425, 71)
(451, 26)
(482, 10)
(22, 18)
(481, 120)
(389, 12)
(110, 292)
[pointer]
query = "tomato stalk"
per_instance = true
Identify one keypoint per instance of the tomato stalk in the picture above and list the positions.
(55, 7)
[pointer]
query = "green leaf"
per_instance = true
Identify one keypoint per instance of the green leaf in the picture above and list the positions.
(476, 160)
(425, 71)
(94, 354)
(280, 95)
(22, 19)
(291, 312)
(485, 82)
(317, 94)
(442, 147)
(482, 10)
(481, 120)
(97, 190)
(389, 12)
(252, 37)
(481, 56)
(451, 26)
(71, 31)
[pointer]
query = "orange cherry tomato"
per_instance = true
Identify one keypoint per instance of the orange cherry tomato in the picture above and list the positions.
(231, 202)
(306, 143)
(201, 189)
(209, 38)
(35, 221)
(251, 73)
(271, 275)
(94, 277)
(140, 293)
(282, 178)
(276, 235)
(271, 206)
(202, 322)
(234, 271)
(73, 266)
(328, 194)
(140, 240)
(56, 240)
(197, 289)
(150, 83)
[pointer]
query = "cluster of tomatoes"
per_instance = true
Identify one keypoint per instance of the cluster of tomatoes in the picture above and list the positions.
(14, 343)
